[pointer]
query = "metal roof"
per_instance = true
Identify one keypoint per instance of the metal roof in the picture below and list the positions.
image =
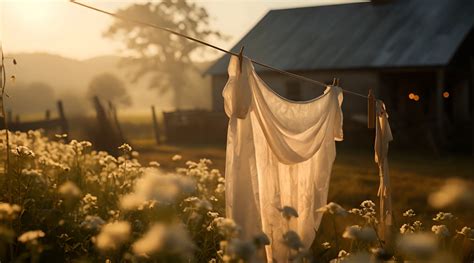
(402, 33)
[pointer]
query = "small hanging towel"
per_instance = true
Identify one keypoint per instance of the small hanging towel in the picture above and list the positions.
(383, 135)
(279, 153)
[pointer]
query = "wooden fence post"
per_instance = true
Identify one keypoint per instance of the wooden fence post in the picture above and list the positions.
(47, 115)
(9, 116)
(113, 112)
(62, 118)
(155, 125)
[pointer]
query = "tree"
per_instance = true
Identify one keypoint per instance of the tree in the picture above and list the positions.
(109, 88)
(31, 98)
(166, 58)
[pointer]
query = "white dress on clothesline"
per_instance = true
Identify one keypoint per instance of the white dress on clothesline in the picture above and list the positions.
(279, 153)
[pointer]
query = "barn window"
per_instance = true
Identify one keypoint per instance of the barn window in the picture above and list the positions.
(293, 91)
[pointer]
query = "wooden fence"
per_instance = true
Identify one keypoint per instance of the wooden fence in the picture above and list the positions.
(195, 126)
(59, 124)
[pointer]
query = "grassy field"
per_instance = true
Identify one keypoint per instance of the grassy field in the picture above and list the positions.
(355, 176)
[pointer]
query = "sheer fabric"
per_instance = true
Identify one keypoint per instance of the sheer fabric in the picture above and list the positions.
(279, 153)
(383, 135)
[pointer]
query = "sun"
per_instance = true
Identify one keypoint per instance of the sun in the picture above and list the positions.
(34, 13)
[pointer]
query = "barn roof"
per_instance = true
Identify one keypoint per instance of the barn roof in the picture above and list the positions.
(402, 33)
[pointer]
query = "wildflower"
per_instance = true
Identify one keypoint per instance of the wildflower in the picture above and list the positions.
(454, 192)
(441, 216)
(351, 232)
(421, 245)
(154, 164)
(157, 187)
(176, 157)
(417, 225)
(409, 213)
(241, 249)
(31, 236)
(292, 240)
(467, 232)
(199, 204)
(60, 136)
(366, 234)
(172, 239)
(367, 211)
(23, 151)
(440, 230)
(333, 208)
(406, 229)
(380, 254)
(261, 240)
(92, 222)
(225, 226)
(212, 214)
(343, 254)
(326, 245)
(69, 190)
(288, 212)
(126, 148)
(9, 211)
(89, 203)
(368, 204)
(112, 235)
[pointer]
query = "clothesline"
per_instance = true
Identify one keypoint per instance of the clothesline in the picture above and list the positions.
(213, 46)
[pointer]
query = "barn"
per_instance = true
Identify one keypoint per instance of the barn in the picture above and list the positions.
(417, 55)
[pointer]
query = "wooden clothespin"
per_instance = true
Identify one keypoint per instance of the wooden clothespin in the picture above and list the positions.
(241, 58)
(370, 110)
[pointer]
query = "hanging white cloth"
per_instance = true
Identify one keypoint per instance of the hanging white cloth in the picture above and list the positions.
(279, 153)
(383, 135)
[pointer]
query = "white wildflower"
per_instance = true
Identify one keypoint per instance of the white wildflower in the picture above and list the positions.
(406, 229)
(241, 249)
(31, 236)
(170, 238)
(357, 232)
(292, 240)
(467, 232)
(157, 187)
(154, 164)
(442, 216)
(422, 245)
(176, 157)
(225, 226)
(9, 211)
(440, 230)
(23, 151)
(409, 213)
(126, 148)
(343, 254)
(288, 212)
(333, 208)
(69, 190)
(326, 245)
(454, 192)
(112, 235)
(261, 240)
(92, 223)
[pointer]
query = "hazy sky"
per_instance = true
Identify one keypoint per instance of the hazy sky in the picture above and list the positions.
(60, 27)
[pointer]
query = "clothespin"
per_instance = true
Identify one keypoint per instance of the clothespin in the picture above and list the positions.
(370, 110)
(334, 81)
(241, 58)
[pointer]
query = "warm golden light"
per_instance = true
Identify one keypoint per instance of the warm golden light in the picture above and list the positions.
(411, 95)
(446, 94)
(416, 98)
